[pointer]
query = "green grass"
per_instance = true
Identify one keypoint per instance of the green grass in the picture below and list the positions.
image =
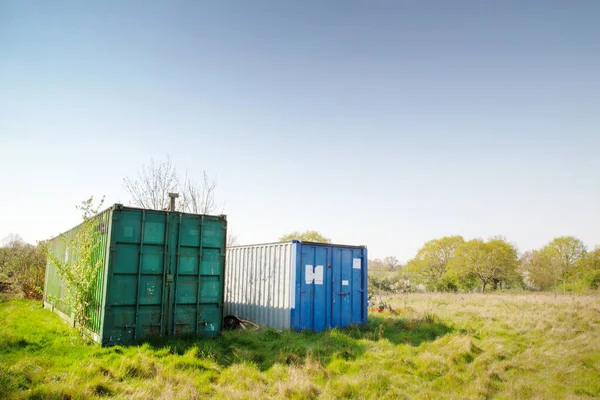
(436, 346)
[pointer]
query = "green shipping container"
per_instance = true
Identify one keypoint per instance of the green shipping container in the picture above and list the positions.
(161, 275)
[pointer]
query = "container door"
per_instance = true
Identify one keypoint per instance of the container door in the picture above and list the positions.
(166, 275)
(348, 286)
(342, 272)
(358, 286)
(198, 271)
(313, 288)
(136, 282)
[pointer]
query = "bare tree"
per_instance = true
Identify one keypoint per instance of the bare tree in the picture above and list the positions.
(232, 239)
(199, 199)
(153, 184)
(391, 262)
(151, 188)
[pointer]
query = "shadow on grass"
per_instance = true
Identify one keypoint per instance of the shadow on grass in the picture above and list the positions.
(400, 331)
(269, 346)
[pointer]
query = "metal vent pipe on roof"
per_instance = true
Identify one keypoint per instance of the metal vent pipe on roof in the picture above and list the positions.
(173, 196)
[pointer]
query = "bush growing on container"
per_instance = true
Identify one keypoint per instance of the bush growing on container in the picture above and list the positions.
(79, 270)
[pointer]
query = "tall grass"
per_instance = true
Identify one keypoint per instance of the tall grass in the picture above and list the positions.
(433, 346)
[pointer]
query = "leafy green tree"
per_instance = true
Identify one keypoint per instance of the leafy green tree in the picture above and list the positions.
(536, 269)
(391, 262)
(29, 269)
(591, 268)
(23, 266)
(376, 265)
(565, 254)
(306, 236)
(429, 265)
(490, 262)
(80, 272)
(592, 259)
(10, 245)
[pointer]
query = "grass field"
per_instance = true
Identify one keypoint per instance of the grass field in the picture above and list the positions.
(436, 346)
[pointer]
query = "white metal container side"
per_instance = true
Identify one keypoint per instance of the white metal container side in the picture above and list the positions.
(259, 283)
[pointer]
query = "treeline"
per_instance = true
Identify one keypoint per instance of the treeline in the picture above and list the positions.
(453, 264)
(22, 267)
(446, 264)
(390, 263)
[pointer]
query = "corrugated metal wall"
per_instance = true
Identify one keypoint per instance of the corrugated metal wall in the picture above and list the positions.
(260, 283)
(62, 248)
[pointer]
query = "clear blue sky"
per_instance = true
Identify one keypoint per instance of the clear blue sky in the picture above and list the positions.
(385, 123)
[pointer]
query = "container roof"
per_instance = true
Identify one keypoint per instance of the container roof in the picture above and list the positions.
(303, 242)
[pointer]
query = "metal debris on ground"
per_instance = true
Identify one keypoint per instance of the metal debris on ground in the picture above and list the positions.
(232, 322)
(382, 307)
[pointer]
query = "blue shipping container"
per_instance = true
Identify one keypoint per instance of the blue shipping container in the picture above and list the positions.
(297, 285)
